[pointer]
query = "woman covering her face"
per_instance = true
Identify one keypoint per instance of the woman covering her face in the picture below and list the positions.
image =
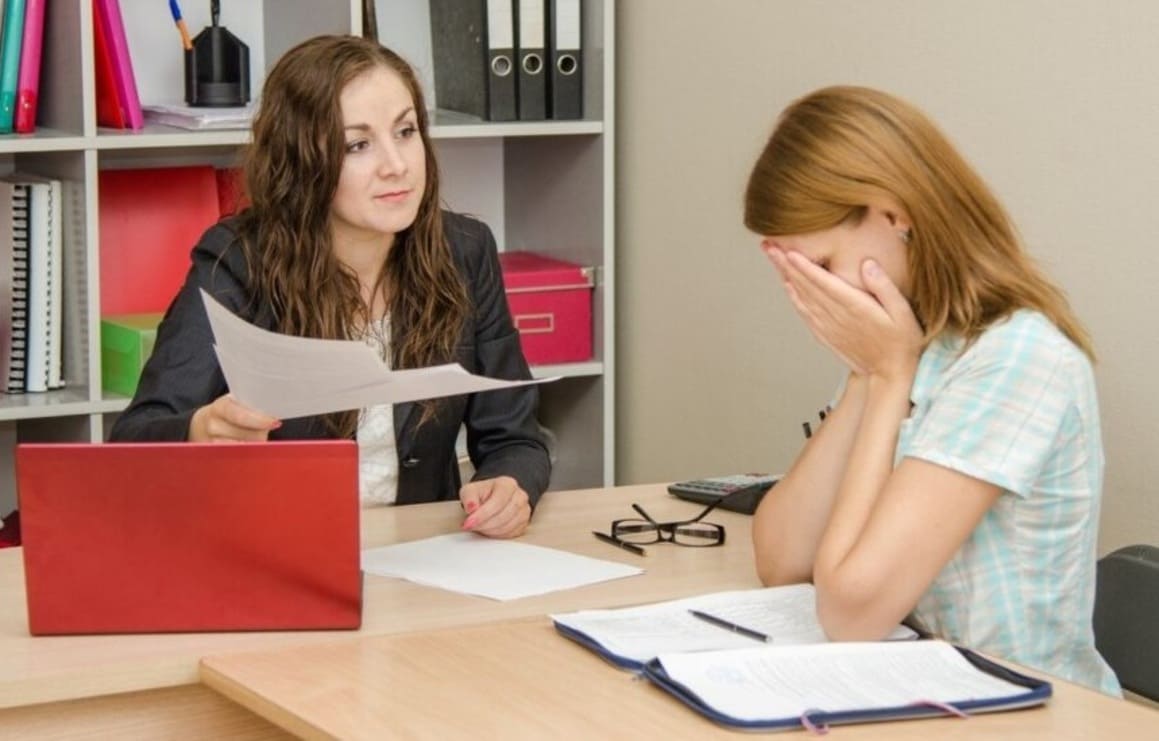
(344, 239)
(959, 474)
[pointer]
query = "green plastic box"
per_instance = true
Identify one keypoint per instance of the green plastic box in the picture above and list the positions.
(126, 343)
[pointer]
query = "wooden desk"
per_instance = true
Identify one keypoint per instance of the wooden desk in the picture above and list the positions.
(63, 668)
(522, 680)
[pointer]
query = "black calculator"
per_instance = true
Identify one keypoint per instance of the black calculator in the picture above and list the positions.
(744, 490)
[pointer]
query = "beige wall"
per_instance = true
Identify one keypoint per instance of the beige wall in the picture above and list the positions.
(1057, 105)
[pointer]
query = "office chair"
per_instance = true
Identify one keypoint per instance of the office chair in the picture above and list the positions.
(1126, 617)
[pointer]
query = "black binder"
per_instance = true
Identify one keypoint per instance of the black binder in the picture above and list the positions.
(531, 31)
(565, 59)
(473, 45)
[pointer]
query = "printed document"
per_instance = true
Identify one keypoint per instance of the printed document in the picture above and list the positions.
(286, 377)
(634, 635)
(785, 681)
(499, 569)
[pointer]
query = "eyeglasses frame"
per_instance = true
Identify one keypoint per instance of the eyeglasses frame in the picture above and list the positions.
(670, 528)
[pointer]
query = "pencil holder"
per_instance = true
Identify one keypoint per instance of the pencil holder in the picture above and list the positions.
(217, 69)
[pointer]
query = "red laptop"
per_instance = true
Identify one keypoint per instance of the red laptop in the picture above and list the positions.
(160, 537)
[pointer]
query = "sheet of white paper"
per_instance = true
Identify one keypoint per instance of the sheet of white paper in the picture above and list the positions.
(288, 377)
(499, 569)
(786, 614)
(783, 682)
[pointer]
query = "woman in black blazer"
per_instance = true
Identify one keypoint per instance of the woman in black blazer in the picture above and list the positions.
(344, 238)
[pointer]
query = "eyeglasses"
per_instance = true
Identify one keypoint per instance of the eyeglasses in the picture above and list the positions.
(692, 532)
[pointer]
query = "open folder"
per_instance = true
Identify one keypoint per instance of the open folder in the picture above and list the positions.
(792, 675)
(785, 687)
(630, 637)
(287, 377)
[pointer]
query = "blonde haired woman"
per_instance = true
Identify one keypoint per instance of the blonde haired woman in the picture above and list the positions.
(958, 477)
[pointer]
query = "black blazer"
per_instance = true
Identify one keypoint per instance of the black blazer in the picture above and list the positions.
(503, 436)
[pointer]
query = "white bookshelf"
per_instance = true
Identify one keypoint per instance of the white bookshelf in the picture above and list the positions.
(556, 195)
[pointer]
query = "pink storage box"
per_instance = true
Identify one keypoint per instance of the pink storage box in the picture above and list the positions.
(551, 305)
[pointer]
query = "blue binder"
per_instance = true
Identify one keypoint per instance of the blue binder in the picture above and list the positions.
(1026, 692)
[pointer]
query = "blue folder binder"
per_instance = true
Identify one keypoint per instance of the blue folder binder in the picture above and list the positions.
(1027, 692)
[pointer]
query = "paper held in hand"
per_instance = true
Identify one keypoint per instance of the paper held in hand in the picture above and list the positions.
(286, 377)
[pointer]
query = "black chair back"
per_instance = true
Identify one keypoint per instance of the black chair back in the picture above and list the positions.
(1126, 617)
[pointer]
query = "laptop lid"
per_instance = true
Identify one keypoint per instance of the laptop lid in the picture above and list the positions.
(159, 537)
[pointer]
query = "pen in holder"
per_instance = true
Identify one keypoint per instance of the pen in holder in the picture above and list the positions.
(217, 68)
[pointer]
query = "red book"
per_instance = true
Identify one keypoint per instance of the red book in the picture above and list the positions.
(109, 25)
(149, 222)
(109, 111)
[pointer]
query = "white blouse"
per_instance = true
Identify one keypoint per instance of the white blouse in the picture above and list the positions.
(377, 450)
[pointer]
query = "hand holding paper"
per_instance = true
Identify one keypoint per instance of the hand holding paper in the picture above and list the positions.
(286, 377)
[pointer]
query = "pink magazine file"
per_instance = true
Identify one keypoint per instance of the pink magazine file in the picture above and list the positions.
(28, 83)
(123, 81)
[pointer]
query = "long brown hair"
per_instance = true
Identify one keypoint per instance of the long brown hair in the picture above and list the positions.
(291, 174)
(839, 149)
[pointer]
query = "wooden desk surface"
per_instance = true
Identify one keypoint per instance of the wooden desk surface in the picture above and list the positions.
(47, 669)
(522, 680)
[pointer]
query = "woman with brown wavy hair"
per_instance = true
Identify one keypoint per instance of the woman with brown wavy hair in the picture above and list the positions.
(958, 477)
(344, 238)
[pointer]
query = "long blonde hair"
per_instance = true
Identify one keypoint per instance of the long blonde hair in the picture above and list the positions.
(839, 149)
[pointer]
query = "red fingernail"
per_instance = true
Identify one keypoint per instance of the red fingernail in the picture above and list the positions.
(472, 506)
(469, 523)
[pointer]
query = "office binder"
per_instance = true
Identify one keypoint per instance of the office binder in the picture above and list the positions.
(150, 219)
(531, 70)
(28, 81)
(109, 111)
(56, 285)
(473, 46)
(42, 369)
(369, 20)
(7, 278)
(15, 195)
(118, 69)
(10, 62)
(784, 687)
(565, 59)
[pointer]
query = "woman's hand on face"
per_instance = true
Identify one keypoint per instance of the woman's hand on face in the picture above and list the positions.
(497, 508)
(873, 331)
(228, 420)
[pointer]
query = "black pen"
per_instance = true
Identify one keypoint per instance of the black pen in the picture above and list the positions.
(738, 629)
(630, 547)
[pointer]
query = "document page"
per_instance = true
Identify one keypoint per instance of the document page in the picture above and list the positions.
(787, 615)
(499, 569)
(774, 682)
(287, 377)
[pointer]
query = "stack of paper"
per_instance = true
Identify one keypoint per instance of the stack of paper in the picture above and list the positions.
(189, 117)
